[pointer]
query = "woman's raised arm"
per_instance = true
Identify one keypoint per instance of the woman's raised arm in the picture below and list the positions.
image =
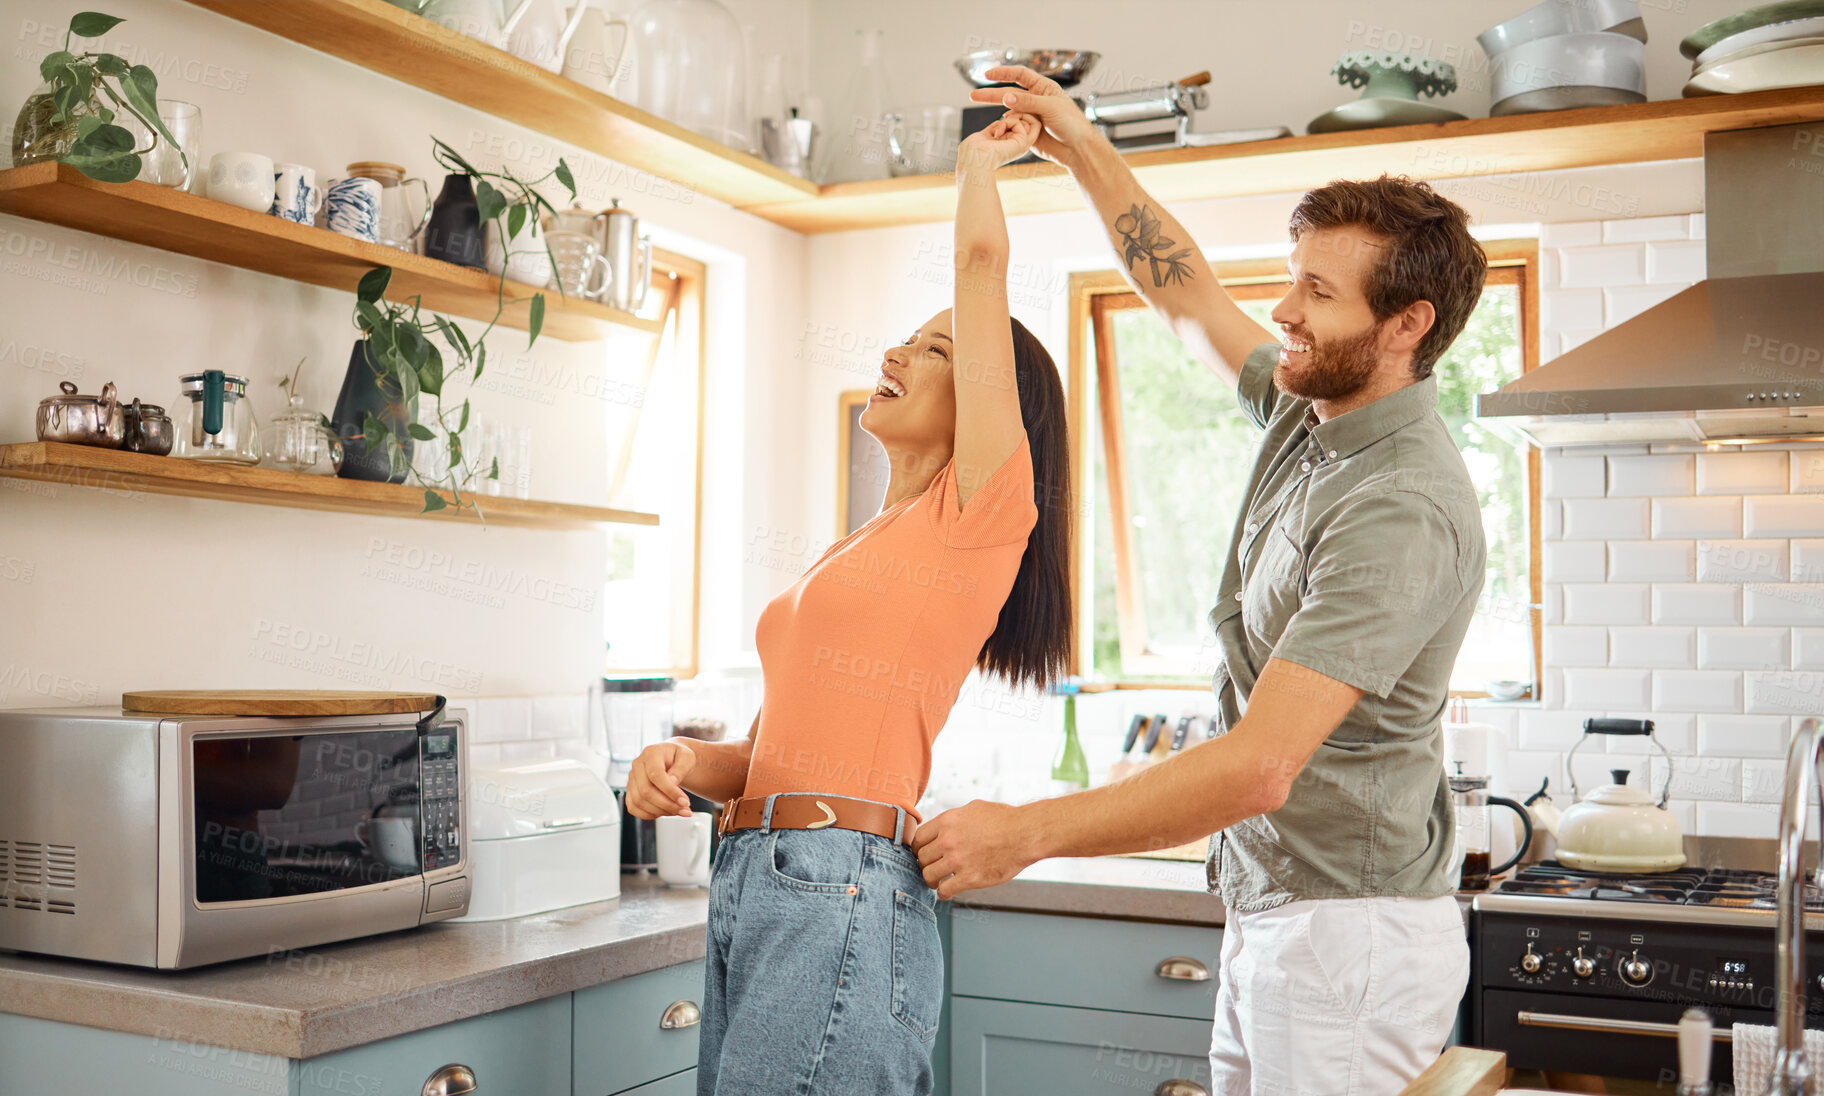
(988, 425)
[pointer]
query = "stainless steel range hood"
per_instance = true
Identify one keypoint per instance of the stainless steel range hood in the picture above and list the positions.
(1734, 359)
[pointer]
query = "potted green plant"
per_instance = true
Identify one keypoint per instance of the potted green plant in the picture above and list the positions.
(66, 119)
(397, 362)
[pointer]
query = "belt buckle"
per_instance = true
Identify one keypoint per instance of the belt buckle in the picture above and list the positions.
(725, 824)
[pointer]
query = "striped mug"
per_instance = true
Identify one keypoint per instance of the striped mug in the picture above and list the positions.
(352, 207)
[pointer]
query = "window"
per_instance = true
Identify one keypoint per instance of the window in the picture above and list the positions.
(653, 418)
(1168, 453)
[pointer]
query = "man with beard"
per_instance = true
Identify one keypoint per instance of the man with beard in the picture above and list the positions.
(1351, 575)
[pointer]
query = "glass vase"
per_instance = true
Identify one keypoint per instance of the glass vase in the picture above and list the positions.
(36, 137)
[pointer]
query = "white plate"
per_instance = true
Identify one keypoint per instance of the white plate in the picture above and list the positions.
(1756, 36)
(1795, 64)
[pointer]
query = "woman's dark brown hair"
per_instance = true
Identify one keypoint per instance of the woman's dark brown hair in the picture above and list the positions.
(1430, 255)
(1031, 641)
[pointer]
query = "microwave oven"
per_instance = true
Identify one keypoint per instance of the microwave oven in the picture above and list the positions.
(179, 840)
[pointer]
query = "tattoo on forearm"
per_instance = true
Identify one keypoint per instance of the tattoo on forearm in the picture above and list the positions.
(1139, 230)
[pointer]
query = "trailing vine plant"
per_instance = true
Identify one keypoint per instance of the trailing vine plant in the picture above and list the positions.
(406, 361)
(100, 149)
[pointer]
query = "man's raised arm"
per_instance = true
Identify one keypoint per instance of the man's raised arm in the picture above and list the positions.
(1157, 255)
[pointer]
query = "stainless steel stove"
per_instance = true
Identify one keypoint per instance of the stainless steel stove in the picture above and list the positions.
(1583, 972)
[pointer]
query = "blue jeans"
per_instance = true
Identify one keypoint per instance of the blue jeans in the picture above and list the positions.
(824, 970)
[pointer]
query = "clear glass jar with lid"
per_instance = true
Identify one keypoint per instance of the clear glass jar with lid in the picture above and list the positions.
(300, 440)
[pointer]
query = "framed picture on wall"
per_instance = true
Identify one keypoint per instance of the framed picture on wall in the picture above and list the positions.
(861, 465)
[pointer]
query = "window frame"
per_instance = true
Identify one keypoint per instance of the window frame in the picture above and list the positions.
(1094, 296)
(680, 283)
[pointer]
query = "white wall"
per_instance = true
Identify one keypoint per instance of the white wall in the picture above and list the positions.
(104, 591)
(1270, 60)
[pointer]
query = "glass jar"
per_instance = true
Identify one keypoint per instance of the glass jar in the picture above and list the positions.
(219, 424)
(691, 68)
(300, 440)
(35, 137)
(636, 713)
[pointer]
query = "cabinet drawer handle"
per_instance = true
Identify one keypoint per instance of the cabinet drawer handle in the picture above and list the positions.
(1181, 968)
(1178, 1086)
(454, 1079)
(680, 1014)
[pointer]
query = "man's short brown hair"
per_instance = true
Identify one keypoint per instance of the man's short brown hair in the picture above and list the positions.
(1430, 255)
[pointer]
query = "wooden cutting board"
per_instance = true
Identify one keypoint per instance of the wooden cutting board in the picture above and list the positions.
(275, 702)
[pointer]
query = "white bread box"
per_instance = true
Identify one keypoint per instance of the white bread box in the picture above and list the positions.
(543, 835)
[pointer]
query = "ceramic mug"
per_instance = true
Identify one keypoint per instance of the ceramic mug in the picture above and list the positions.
(295, 196)
(352, 207)
(243, 179)
(393, 840)
(684, 850)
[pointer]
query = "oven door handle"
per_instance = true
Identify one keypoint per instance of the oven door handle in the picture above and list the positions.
(1608, 1027)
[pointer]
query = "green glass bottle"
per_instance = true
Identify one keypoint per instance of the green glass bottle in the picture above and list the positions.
(1070, 772)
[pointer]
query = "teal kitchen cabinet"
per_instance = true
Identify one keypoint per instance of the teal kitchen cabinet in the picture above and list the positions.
(1007, 1048)
(52, 1058)
(521, 1051)
(636, 1031)
(1050, 1004)
(678, 1084)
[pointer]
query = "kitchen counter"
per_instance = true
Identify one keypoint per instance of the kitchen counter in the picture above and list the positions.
(312, 1001)
(1107, 886)
(298, 1004)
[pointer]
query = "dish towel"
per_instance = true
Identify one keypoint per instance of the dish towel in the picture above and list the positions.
(1754, 1048)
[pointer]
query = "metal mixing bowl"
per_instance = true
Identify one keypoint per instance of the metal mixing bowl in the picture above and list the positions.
(1066, 66)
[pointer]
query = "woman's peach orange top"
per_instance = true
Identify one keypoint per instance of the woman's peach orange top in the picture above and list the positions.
(864, 656)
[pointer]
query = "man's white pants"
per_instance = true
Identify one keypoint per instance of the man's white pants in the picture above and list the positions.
(1336, 997)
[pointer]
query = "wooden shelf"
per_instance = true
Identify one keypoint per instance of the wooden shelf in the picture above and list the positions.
(408, 47)
(173, 220)
(1593, 136)
(122, 472)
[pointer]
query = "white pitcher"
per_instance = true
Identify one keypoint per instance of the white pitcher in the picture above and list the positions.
(538, 32)
(588, 60)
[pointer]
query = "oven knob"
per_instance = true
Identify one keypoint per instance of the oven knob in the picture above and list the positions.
(1635, 970)
(1530, 962)
(1583, 966)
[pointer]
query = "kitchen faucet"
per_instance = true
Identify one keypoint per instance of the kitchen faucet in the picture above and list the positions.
(1791, 1073)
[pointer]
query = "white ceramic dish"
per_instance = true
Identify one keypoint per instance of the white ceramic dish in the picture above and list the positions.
(1775, 65)
(1596, 60)
(1378, 111)
(1787, 31)
(1559, 17)
(1570, 97)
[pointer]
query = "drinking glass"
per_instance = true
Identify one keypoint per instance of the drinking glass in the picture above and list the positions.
(162, 165)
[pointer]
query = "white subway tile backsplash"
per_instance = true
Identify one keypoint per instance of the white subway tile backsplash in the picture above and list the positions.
(1571, 340)
(1575, 560)
(1786, 692)
(1784, 515)
(1626, 302)
(559, 717)
(1808, 648)
(1571, 309)
(1566, 477)
(537, 750)
(1650, 647)
(1634, 229)
(1549, 271)
(1651, 560)
(1697, 691)
(1791, 604)
(1765, 782)
(1663, 474)
(1551, 519)
(1606, 603)
(1697, 517)
(1576, 645)
(484, 753)
(1697, 226)
(1570, 234)
(1744, 473)
(1743, 648)
(1527, 769)
(1586, 267)
(1743, 735)
(1807, 560)
(1716, 779)
(1807, 467)
(501, 719)
(1754, 820)
(1544, 730)
(1585, 687)
(1696, 603)
(1605, 519)
(1680, 261)
(1551, 608)
(1742, 560)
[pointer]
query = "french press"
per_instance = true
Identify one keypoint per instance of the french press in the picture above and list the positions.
(1473, 803)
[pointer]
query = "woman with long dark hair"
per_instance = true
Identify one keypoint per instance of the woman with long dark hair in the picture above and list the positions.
(825, 974)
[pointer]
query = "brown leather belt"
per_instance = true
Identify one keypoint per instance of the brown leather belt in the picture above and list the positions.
(815, 812)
